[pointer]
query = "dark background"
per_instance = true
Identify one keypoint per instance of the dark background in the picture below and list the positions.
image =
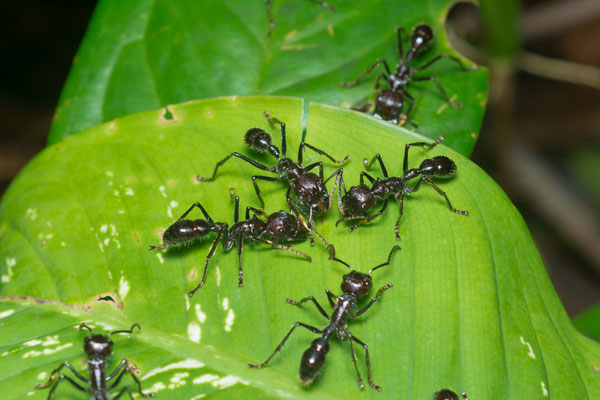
(540, 139)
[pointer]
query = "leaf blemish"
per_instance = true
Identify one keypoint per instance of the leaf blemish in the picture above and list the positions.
(178, 380)
(32, 213)
(46, 352)
(290, 34)
(229, 320)
(6, 313)
(189, 363)
(227, 381)
(10, 263)
(42, 376)
(330, 30)
(160, 258)
(129, 191)
(225, 303)
(531, 354)
(206, 378)
(544, 389)
(123, 288)
(199, 314)
(218, 274)
(194, 332)
(162, 190)
(168, 117)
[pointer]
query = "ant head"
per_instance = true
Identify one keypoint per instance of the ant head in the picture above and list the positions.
(389, 104)
(260, 140)
(421, 38)
(100, 345)
(440, 167)
(357, 283)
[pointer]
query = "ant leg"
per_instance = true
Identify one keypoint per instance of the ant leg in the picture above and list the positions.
(368, 165)
(236, 210)
(269, 17)
(255, 211)
(354, 359)
(238, 155)
(365, 72)
(257, 190)
(400, 31)
(127, 369)
(350, 218)
(442, 193)
(400, 213)
(331, 297)
(56, 371)
(364, 345)
(321, 152)
(282, 247)
(70, 380)
(208, 257)
(420, 144)
(336, 182)
(374, 299)
(404, 118)
(325, 5)
(272, 121)
(363, 174)
(310, 328)
(304, 300)
(240, 268)
(317, 164)
(442, 91)
(371, 218)
(447, 57)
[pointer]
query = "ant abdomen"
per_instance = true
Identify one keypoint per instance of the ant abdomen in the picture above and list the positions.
(260, 140)
(389, 104)
(440, 167)
(283, 225)
(185, 231)
(358, 201)
(313, 360)
(421, 38)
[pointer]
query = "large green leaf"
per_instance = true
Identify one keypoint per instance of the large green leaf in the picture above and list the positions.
(139, 55)
(471, 308)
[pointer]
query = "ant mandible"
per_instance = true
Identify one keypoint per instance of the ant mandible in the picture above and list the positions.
(308, 187)
(356, 202)
(355, 285)
(98, 348)
(389, 102)
(272, 21)
(447, 394)
(279, 227)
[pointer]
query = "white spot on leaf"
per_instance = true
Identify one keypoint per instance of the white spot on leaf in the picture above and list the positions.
(185, 364)
(162, 190)
(10, 263)
(544, 389)
(32, 213)
(205, 379)
(229, 320)
(199, 314)
(6, 313)
(123, 288)
(531, 354)
(194, 332)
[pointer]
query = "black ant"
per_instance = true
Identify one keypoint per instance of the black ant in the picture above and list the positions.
(272, 21)
(356, 202)
(279, 227)
(447, 394)
(355, 285)
(389, 102)
(309, 187)
(98, 348)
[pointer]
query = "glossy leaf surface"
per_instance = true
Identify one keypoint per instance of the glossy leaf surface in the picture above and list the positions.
(143, 54)
(471, 308)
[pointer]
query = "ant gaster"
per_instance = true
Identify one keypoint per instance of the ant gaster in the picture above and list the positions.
(355, 285)
(356, 202)
(447, 394)
(389, 102)
(98, 348)
(279, 227)
(308, 187)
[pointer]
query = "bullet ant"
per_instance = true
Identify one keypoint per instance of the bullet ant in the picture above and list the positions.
(356, 202)
(308, 187)
(278, 227)
(355, 285)
(390, 102)
(98, 349)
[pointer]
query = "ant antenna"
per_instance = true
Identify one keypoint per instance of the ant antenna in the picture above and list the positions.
(388, 260)
(130, 330)
(83, 325)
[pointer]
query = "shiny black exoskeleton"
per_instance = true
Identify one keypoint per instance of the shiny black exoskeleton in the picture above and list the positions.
(309, 188)
(355, 285)
(447, 394)
(389, 103)
(278, 227)
(356, 202)
(98, 349)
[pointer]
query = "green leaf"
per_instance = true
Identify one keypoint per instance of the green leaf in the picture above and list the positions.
(140, 55)
(471, 308)
(589, 322)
